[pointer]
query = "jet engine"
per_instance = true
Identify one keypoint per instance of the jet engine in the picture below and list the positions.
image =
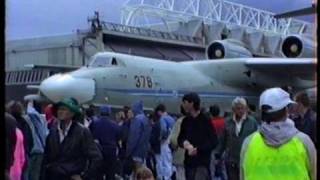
(296, 47)
(228, 48)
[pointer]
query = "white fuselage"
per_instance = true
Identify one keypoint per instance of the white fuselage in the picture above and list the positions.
(155, 81)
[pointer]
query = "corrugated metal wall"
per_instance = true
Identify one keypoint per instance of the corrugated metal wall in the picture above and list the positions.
(55, 50)
(17, 60)
(57, 56)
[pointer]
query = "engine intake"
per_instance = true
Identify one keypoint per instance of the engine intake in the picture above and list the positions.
(297, 46)
(227, 49)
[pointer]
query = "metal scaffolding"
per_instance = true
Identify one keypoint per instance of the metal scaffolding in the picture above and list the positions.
(150, 12)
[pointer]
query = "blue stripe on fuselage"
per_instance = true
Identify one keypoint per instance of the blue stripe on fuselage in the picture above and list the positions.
(173, 93)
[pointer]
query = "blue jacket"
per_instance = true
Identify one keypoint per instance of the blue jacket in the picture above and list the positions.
(166, 123)
(38, 126)
(107, 132)
(139, 133)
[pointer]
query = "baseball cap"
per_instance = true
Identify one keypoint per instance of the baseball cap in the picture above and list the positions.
(276, 98)
(71, 103)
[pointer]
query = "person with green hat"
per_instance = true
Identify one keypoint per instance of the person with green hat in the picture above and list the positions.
(69, 147)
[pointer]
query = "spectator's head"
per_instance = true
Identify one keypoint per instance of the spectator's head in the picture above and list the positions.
(137, 107)
(302, 99)
(15, 108)
(128, 112)
(68, 109)
(239, 106)
(273, 104)
(191, 101)
(214, 110)
(120, 116)
(89, 112)
(105, 110)
(49, 113)
(160, 109)
(144, 173)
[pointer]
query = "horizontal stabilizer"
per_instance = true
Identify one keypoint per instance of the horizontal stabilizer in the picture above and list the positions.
(299, 12)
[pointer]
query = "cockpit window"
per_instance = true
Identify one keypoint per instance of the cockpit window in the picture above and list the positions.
(103, 62)
(114, 61)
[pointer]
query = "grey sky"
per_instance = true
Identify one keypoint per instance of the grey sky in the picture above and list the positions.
(30, 18)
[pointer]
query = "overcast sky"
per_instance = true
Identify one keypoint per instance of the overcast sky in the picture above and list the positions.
(31, 18)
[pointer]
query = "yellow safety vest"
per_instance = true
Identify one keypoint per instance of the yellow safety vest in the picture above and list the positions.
(287, 162)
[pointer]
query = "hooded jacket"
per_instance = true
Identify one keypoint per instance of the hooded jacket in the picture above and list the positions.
(107, 132)
(39, 130)
(275, 134)
(166, 124)
(139, 133)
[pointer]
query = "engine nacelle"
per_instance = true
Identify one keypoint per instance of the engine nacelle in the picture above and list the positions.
(228, 48)
(296, 47)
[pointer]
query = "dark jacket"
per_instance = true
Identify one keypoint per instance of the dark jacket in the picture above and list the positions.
(76, 154)
(124, 138)
(26, 131)
(139, 133)
(231, 143)
(107, 132)
(199, 132)
(11, 139)
(307, 124)
(155, 141)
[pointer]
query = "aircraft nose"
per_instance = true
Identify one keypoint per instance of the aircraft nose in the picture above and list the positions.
(60, 86)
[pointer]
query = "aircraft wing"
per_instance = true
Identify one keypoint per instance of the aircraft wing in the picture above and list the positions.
(304, 68)
(299, 12)
(261, 72)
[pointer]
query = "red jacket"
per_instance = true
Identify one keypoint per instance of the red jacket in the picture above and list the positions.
(218, 124)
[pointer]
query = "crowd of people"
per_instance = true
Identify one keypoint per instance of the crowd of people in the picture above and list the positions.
(68, 141)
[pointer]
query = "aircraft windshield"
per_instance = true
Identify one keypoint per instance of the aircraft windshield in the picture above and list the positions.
(102, 62)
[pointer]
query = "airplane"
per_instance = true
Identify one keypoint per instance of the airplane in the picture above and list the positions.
(121, 79)
(299, 12)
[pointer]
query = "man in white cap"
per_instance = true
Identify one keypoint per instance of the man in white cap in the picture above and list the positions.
(277, 150)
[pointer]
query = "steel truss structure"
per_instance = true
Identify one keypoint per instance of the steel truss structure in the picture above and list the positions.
(150, 12)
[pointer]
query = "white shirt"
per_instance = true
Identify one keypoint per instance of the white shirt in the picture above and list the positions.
(239, 123)
(87, 122)
(63, 134)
